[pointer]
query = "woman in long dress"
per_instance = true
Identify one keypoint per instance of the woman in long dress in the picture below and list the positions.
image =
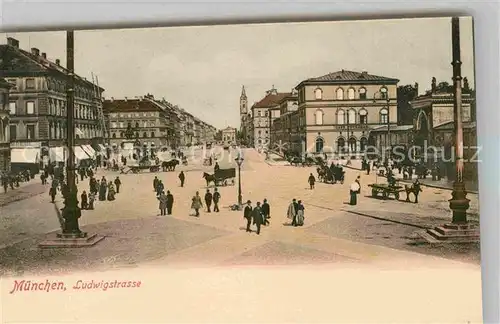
(300, 213)
(111, 191)
(196, 204)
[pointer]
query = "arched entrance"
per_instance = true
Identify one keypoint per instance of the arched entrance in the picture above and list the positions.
(319, 145)
(352, 144)
(422, 134)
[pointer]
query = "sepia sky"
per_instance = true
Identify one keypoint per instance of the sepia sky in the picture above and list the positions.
(202, 69)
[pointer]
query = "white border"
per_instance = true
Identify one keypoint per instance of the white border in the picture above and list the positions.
(36, 15)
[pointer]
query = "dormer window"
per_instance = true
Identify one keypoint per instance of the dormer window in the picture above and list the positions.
(318, 94)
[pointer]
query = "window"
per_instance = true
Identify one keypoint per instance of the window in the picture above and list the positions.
(318, 94)
(319, 117)
(351, 116)
(144, 134)
(114, 135)
(259, 132)
(30, 131)
(152, 134)
(30, 107)
(363, 114)
(136, 114)
(113, 125)
(266, 113)
(319, 145)
(121, 124)
(258, 113)
(30, 84)
(340, 94)
(352, 144)
(121, 134)
(12, 107)
(383, 93)
(136, 125)
(350, 93)
(384, 113)
(13, 132)
(362, 93)
(340, 117)
(340, 144)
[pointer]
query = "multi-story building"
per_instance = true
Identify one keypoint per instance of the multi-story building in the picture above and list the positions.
(37, 103)
(284, 131)
(229, 135)
(261, 117)
(338, 110)
(4, 126)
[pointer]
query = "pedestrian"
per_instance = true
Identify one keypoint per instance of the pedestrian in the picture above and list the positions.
(159, 188)
(111, 191)
(311, 181)
(258, 220)
(163, 203)
(208, 200)
(91, 200)
(216, 198)
(155, 184)
(354, 191)
(292, 211)
(84, 200)
(52, 192)
(368, 167)
(102, 190)
(182, 178)
(216, 167)
(300, 213)
(170, 202)
(118, 183)
(247, 214)
(416, 189)
(196, 204)
(266, 212)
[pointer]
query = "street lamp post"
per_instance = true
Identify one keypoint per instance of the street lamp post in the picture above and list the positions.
(239, 161)
(70, 212)
(459, 202)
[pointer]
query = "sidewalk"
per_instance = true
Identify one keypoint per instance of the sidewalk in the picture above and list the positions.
(23, 192)
(472, 187)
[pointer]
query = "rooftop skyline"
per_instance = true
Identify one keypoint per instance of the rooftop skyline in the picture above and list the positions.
(202, 69)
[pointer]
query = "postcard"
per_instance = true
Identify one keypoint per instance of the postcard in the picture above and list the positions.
(279, 172)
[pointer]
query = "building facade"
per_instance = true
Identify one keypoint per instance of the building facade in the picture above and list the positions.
(4, 126)
(262, 116)
(338, 110)
(37, 102)
(229, 135)
(284, 126)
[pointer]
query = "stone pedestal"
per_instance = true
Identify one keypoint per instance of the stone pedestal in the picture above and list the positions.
(71, 240)
(451, 233)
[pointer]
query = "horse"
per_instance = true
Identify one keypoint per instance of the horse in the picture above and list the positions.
(209, 178)
(169, 165)
(413, 188)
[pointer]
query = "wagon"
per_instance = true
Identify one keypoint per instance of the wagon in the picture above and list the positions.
(223, 175)
(386, 190)
(145, 165)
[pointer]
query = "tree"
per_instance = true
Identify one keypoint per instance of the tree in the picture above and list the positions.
(406, 94)
(218, 136)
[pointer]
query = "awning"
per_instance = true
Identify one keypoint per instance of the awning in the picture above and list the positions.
(57, 154)
(89, 150)
(25, 155)
(80, 154)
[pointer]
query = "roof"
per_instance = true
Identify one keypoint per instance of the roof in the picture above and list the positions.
(130, 105)
(383, 128)
(271, 100)
(345, 76)
(16, 61)
(450, 125)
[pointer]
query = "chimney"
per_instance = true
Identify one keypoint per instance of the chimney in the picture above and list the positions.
(58, 62)
(125, 98)
(44, 55)
(112, 99)
(13, 42)
(364, 73)
(35, 51)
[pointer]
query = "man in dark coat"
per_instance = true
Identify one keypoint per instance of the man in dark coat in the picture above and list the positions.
(216, 198)
(170, 202)
(159, 187)
(155, 184)
(182, 177)
(208, 200)
(84, 201)
(296, 209)
(311, 181)
(118, 183)
(258, 220)
(216, 167)
(266, 212)
(247, 214)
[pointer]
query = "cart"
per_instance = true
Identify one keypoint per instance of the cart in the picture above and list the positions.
(223, 175)
(385, 190)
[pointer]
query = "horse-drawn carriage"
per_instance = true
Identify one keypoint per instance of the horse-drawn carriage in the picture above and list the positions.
(169, 165)
(145, 164)
(221, 177)
(386, 190)
(330, 174)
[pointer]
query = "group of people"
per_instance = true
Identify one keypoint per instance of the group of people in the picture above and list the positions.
(196, 203)
(13, 180)
(258, 215)
(295, 213)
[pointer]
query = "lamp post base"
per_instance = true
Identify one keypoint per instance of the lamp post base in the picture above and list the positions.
(236, 207)
(459, 203)
(76, 240)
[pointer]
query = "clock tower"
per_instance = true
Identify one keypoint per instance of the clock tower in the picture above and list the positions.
(243, 113)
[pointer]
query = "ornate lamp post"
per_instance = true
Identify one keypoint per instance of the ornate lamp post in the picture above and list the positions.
(459, 202)
(239, 161)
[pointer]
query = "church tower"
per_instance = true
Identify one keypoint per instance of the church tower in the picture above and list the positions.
(243, 112)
